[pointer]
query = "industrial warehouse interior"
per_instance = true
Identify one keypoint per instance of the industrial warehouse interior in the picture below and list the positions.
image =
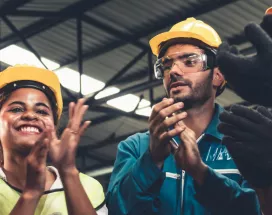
(106, 43)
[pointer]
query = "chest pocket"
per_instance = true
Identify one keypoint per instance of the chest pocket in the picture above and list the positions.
(218, 158)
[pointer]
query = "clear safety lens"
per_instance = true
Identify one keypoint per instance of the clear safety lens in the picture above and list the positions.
(186, 62)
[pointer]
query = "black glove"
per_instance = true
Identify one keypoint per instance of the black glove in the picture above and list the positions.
(250, 77)
(248, 137)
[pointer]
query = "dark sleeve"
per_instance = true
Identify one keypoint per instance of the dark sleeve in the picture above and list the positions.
(222, 195)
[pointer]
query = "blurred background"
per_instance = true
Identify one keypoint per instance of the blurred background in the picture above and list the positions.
(105, 42)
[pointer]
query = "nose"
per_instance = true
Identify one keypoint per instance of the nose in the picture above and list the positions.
(176, 70)
(29, 116)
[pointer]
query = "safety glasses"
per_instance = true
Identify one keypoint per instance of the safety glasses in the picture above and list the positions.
(186, 62)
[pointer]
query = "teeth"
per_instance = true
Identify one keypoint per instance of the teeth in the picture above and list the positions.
(29, 129)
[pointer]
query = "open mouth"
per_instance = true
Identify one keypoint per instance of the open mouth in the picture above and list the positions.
(29, 129)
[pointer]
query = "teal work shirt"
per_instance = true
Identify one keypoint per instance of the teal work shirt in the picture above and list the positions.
(137, 186)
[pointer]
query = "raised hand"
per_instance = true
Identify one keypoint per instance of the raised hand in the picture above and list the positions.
(36, 167)
(187, 155)
(248, 138)
(250, 77)
(160, 122)
(63, 151)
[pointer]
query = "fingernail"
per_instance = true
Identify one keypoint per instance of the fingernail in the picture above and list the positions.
(184, 114)
(180, 104)
(171, 100)
(181, 124)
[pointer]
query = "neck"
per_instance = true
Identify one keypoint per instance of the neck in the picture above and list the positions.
(199, 117)
(15, 169)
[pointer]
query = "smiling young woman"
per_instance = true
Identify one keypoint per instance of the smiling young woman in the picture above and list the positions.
(30, 108)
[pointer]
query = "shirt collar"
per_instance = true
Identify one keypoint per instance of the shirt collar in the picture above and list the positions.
(212, 127)
(56, 185)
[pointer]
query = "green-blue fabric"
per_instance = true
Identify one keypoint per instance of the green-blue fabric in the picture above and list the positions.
(138, 187)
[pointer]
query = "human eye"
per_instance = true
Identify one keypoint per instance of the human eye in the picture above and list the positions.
(16, 109)
(167, 63)
(42, 112)
(191, 61)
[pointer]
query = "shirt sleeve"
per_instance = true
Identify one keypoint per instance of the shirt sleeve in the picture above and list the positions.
(135, 182)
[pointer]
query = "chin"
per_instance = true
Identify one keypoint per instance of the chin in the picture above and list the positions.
(24, 143)
(180, 97)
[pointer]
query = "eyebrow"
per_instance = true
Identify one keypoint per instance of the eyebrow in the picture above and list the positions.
(23, 104)
(42, 104)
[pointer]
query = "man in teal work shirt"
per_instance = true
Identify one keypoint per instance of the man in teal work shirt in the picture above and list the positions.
(199, 176)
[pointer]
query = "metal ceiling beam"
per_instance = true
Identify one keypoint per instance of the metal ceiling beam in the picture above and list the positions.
(112, 113)
(24, 41)
(94, 104)
(11, 5)
(135, 76)
(87, 19)
(102, 119)
(79, 53)
(100, 158)
(112, 31)
(46, 23)
(108, 141)
(121, 72)
(39, 13)
(197, 10)
(133, 89)
(30, 48)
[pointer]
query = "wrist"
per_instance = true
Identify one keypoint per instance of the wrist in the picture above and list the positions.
(68, 172)
(200, 172)
(158, 162)
(33, 195)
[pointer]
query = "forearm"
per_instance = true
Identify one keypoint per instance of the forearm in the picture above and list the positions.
(26, 204)
(77, 200)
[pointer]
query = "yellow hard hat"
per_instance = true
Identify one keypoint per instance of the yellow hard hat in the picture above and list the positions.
(268, 11)
(24, 76)
(190, 28)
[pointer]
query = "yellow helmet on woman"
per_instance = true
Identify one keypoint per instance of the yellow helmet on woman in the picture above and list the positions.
(24, 76)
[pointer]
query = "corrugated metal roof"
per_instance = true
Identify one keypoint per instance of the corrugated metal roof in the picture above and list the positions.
(47, 5)
(18, 22)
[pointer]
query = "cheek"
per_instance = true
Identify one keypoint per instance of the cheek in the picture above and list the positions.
(166, 82)
(5, 125)
(49, 122)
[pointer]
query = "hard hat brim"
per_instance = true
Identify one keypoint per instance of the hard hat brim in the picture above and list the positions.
(163, 37)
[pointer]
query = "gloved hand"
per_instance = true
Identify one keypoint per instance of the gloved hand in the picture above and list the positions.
(248, 137)
(250, 77)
